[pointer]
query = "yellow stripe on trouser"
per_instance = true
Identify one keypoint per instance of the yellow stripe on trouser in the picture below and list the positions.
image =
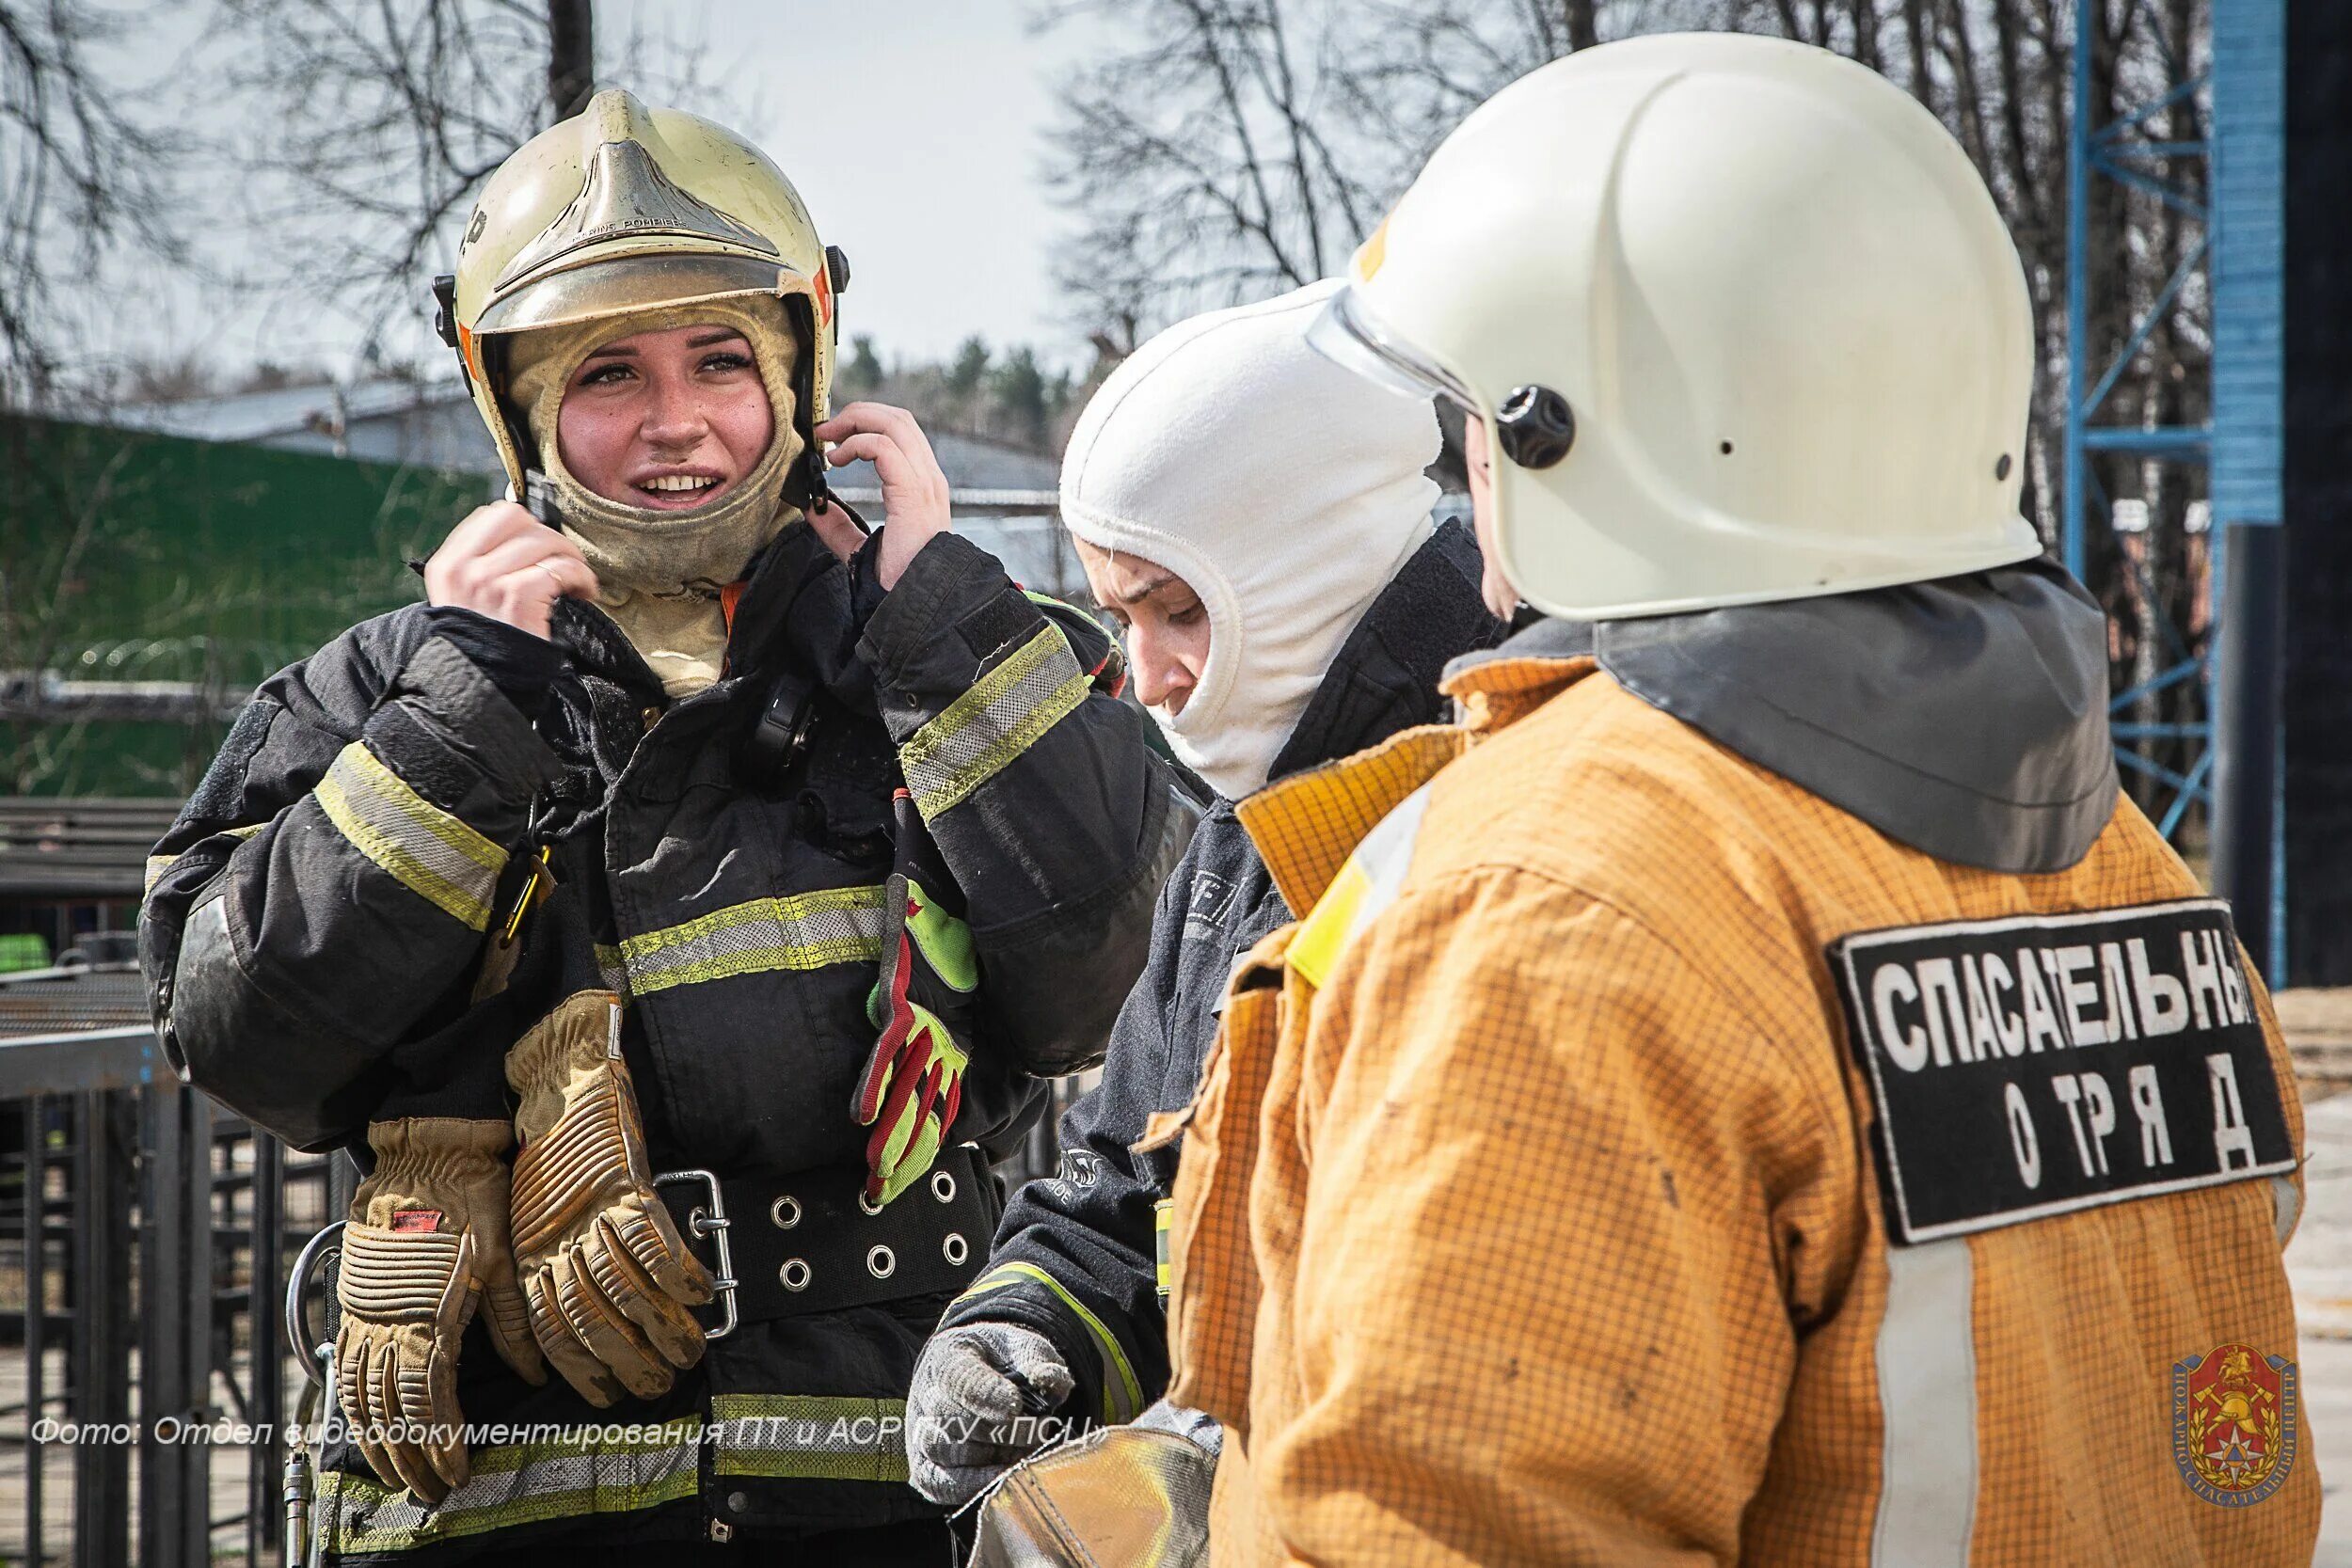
(810, 1437)
(805, 931)
(427, 849)
(521, 1483)
(973, 738)
(1122, 1399)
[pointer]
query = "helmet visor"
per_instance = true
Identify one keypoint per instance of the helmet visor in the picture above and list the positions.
(619, 285)
(1348, 334)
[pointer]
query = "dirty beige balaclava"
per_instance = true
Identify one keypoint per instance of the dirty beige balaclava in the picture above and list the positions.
(658, 573)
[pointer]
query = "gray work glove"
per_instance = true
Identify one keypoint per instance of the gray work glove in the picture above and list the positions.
(973, 1381)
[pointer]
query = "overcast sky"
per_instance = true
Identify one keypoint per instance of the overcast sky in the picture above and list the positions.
(914, 129)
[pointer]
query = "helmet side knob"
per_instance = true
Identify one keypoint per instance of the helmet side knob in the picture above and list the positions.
(1535, 427)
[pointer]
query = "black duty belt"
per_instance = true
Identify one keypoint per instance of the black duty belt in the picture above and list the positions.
(783, 1246)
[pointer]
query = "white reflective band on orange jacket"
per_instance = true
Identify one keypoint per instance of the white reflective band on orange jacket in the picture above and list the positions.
(1534, 1209)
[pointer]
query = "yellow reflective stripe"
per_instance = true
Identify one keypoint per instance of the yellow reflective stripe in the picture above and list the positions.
(1367, 884)
(158, 864)
(1325, 930)
(805, 931)
(1114, 1359)
(1162, 1220)
(521, 1483)
(427, 851)
(810, 1437)
(1004, 713)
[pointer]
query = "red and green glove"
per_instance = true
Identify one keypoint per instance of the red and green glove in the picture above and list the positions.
(913, 1083)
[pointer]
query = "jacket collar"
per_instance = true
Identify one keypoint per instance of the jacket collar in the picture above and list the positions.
(1384, 678)
(1965, 718)
(797, 599)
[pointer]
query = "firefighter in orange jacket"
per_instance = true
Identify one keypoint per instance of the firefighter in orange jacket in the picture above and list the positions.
(1755, 1091)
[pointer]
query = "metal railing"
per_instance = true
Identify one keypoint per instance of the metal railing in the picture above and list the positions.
(146, 1237)
(142, 1376)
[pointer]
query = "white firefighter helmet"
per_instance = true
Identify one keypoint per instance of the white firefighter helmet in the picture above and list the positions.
(621, 209)
(1741, 317)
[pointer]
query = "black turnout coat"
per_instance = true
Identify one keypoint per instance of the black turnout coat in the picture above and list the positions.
(317, 916)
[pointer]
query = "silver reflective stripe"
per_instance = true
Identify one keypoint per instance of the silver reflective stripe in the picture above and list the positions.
(810, 1437)
(2288, 1199)
(998, 719)
(1927, 1362)
(800, 931)
(427, 849)
(618, 1468)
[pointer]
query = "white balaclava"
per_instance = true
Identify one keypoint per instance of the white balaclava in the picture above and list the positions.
(1286, 490)
(659, 573)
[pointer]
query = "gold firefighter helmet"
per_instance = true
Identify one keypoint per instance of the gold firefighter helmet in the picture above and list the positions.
(620, 208)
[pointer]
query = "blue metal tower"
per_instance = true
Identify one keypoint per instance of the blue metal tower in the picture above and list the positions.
(2232, 770)
(2123, 152)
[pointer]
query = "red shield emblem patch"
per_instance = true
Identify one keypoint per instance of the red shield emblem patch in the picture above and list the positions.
(2234, 1427)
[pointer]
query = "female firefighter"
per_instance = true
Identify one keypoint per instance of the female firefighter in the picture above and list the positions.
(683, 832)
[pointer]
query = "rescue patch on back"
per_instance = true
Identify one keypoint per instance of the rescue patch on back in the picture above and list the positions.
(2037, 1065)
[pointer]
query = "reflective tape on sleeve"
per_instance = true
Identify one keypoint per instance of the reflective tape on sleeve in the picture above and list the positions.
(158, 864)
(974, 737)
(1123, 1394)
(425, 849)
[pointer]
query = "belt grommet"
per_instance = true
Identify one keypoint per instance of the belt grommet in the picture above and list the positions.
(881, 1262)
(794, 1276)
(954, 1248)
(867, 1204)
(785, 1211)
(944, 1186)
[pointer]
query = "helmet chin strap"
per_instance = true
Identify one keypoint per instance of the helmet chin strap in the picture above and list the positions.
(539, 498)
(821, 495)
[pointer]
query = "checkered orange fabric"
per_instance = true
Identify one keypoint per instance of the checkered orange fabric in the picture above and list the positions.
(1309, 822)
(1565, 1234)
(1213, 1292)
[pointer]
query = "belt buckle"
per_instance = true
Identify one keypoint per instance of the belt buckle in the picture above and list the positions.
(712, 1223)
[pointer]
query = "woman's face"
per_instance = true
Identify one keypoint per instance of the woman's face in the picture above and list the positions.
(669, 420)
(1164, 623)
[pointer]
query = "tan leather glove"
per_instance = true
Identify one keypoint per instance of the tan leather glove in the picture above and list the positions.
(608, 1277)
(426, 1244)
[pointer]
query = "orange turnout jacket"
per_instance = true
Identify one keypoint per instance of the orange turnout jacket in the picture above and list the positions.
(1635, 1158)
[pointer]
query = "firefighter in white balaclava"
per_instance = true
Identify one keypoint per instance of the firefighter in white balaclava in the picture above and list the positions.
(1259, 521)
(671, 913)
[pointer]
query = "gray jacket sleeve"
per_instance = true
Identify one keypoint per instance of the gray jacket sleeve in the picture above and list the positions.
(326, 891)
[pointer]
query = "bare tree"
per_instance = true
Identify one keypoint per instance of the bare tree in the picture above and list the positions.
(391, 116)
(1205, 163)
(81, 176)
(1182, 174)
